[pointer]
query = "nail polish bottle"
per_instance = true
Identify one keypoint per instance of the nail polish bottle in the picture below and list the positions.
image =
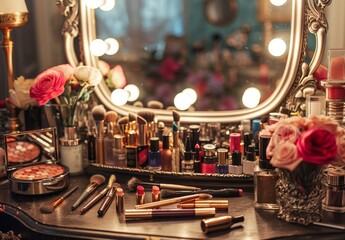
(154, 159)
(236, 163)
(209, 159)
(265, 179)
(187, 164)
(166, 154)
(120, 152)
(222, 156)
(249, 161)
(334, 200)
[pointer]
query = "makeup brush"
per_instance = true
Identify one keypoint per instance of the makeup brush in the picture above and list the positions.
(99, 196)
(111, 117)
(132, 118)
(225, 192)
(134, 182)
(51, 207)
(201, 196)
(95, 181)
(176, 118)
(123, 121)
(149, 116)
(153, 104)
(98, 114)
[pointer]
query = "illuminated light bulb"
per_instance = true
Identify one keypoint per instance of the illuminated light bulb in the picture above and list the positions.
(278, 2)
(119, 97)
(133, 91)
(113, 46)
(277, 47)
(251, 97)
(181, 101)
(98, 47)
(192, 95)
(93, 4)
(107, 5)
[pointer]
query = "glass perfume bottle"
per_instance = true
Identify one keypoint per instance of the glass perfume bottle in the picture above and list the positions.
(265, 179)
(334, 200)
(154, 160)
(120, 152)
(209, 159)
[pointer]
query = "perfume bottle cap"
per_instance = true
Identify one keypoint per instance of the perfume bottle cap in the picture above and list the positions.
(236, 158)
(132, 138)
(166, 141)
(336, 177)
(119, 141)
(222, 155)
(247, 140)
(235, 142)
(209, 150)
(154, 144)
(263, 143)
(188, 154)
(250, 154)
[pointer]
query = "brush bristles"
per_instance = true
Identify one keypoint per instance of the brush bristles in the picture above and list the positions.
(149, 116)
(141, 120)
(133, 183)
(132, 117)
(123, 120)
(155, 104)
(176, 116)
(98, 178)
(98, 113)
(111, 116)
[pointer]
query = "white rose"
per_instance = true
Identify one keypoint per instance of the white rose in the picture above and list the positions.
(20, 95)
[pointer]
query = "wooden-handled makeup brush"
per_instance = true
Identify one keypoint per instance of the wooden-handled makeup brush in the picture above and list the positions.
(149, 116)
(51, 207)
(176, 118)
(98, 114)
(134, 182)
(95, 181)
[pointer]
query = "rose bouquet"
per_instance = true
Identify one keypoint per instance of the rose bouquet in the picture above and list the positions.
(65, 87)
(317, 140)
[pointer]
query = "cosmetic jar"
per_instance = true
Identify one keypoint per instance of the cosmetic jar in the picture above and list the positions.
(334, 200)
(217, 224)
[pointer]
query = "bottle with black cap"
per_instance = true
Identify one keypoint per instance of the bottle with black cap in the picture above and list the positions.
(249, 161)
(236, 165)
(187, 164)
(154, 159)
(265, 178)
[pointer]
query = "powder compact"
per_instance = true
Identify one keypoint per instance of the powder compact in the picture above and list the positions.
(32, 162)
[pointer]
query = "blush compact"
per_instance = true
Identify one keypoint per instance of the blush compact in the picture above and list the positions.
(32, 162)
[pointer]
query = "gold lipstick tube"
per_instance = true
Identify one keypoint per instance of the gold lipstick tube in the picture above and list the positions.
(219, 223)
(132, 214)
(217, 204)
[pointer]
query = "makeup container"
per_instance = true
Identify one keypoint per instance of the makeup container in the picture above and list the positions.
(166, 154)
(209, 159)
(265, 179)
(109, 145)
(120, 204)
(71, 151)
(154, 160)
(222, 165)
(140, 196)
(213, 131)
(197, 159)
(249, 161)
(156, 194)
(175, 166)
(143, 147)
(194, 135)
(334, 200)
(236, 166)
(132, 149)
(219, 223)
(315, 105)
(120, 152)
(187, 164)
(43, 176)
(91, 145)
(235, 142)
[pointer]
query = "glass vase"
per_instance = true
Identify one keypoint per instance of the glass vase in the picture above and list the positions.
(300, 193)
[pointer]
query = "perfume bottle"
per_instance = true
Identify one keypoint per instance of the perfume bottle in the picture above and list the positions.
(108, 145)
(154, 160)
(334, 200)
(166, 154)
(71, 151)
(265, 179)
(222, 166)
(187, 164)
(209, 159)
(120, 152)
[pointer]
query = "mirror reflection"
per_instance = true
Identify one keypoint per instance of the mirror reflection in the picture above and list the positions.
(166, 47)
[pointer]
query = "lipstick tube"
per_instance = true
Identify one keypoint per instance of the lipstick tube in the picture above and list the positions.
(120, 206)
(219, 223)
(140, 195)
(134, 214)
(156, 194)
(217, 204)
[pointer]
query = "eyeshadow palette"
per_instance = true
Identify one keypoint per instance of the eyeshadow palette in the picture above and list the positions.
(38, 172)
(22, 152)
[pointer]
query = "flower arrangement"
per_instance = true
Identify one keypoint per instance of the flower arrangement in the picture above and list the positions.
(318, 140)
(65, 86)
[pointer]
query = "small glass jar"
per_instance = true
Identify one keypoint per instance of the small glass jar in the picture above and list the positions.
(334, 200)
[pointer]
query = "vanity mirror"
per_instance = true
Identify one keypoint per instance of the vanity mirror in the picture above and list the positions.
(293, 84)
(305, 15)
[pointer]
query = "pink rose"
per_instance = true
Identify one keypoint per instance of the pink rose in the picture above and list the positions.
(285, 155)
(117, 77)
(340, 158)
(321, 121)
(47, 85)
(317, 146)
(104, 67)
(66, 69)
(284, 133)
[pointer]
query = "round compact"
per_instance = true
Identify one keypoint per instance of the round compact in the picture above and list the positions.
(22, 152)
(39, 179)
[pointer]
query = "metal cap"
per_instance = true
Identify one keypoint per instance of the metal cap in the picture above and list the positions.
(336, 177)
(119, 141)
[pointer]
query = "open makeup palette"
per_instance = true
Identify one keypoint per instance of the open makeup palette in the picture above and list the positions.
(32, 162)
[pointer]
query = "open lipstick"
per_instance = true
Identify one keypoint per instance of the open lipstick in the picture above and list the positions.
(135, 214)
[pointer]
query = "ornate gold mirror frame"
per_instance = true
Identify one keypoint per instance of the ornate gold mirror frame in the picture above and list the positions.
(297, 82)
(297, 79)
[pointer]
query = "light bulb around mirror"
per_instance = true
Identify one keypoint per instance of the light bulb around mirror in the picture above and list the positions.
(107, 5)
(119, 97)
(277, 47)
(278, 3)
(181, 101)
(93, 4)
(251, 97)
(113, 46)
(192, 95)
(98, 47)
(133, 91)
